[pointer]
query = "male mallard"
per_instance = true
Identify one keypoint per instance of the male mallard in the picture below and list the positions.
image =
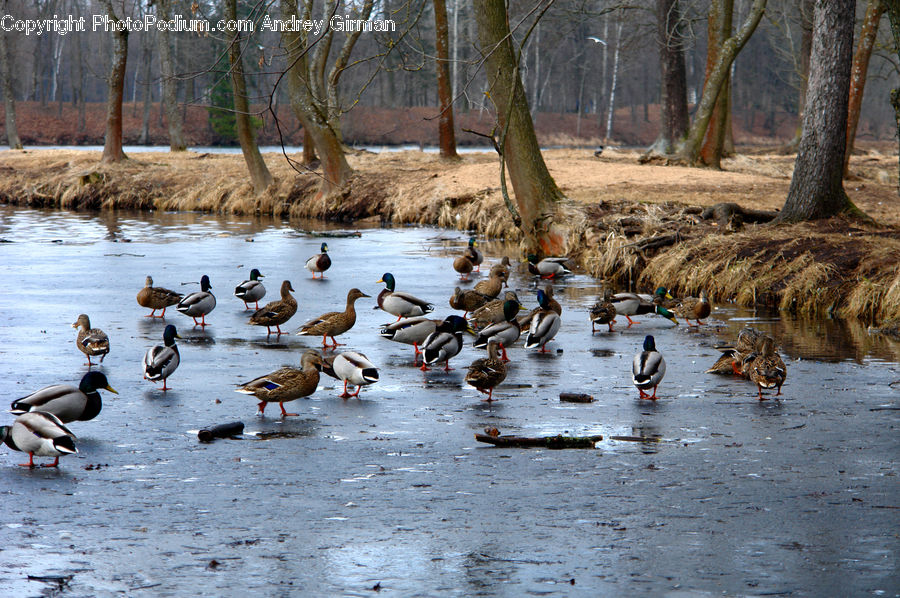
(603, 312)
(40, 434)
(503, 333)
(402, 305)
(90, 341)
(733, 358)
(334, 322)
(286, 384)
(661, 296)
(474, 254)
(276, 313)
(631, 304)
(445, 342)
(468, 300)
(545, 323)
(545, 301)
(351, 367)
(156, 298)
(492, 311)
(487, 372)
(549, 267)
(766, 368)
(199, 303)
(67, 402)
(648, 369)
(251, 291)
(410, 331)
(692, 308)
(161, 361)
(494, 284)
(463, 264)
(319, 262)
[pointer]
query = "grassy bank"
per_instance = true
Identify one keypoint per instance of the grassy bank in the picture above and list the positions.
(637, 226)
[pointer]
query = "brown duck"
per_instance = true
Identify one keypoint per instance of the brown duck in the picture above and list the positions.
(765, 366)
(468, 300)
(286, 384)
(494, 284)
(334, 322)
(276, 313)
(693, 308)
(492, 311)
(91, 341)
(155, 298)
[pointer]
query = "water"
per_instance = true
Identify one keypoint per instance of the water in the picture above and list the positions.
(791, 497)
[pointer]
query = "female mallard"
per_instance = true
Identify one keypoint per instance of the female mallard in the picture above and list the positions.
(402, 305)
(766, 368)
(410, 331)
(503, 333)
(156, 298)
(445, 342)
(67, 402)
(353, 368)
(487, 372)
(648, 369)
(693, 308)
(545, 323)
(199, 303)
(734, 357)
(463, 264)
(492, 311)
(474, 254)
(494, 284)
(504, 267)
(276, 313)
(161, 361)
(286, 384)
(319, 262)
(334, 322)
(90, 341)
(603, 312)
(251, 291)
(631, 304)
(549, 267)
(40, 434)
(468, 300)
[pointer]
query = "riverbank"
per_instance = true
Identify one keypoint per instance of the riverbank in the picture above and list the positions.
(637, 226)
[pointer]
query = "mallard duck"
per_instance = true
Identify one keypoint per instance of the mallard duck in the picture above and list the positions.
(199, 303)
(545, 323)
(90, 341)
(545, 301)
(693, 308)
(492, 311)
(156, 298)
(631, 304)
(402, 305)
(410, 331)
(661, 296)
(319, 262)
(474, 254)
(161, 361)
(251, 291)
(487, 372)
(648, 368)
(766, 368)
(468, 300)
(286, 384)
(353, 368)
(40, 434)
(549, 267)
(733, 358)
(503, 333)
(276, 313)
(603, 312)
(333, 323)
(494, 284)
(445, 342)
(504, 266)
(67, 402)
(463, 264)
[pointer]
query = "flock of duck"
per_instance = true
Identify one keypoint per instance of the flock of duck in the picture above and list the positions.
(496, 323)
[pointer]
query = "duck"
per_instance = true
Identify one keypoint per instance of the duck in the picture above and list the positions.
(603, 312)
(67, 402)
(353, 368)
(161, 361)
(545, 323)
(90, 341)
(486, 373)
(492, 311)
(402, 305)
(474, 254)
(504, 266)
(276, 313)
(545, 298)
(765, 366)
(693, 308)
(494, 284)
(251, 291)
(504, 333)
(319, 262)
(463, 264)
(334, 323)
(39, 433)
(469, 300)
(733, 359)
(199, 303)
(445, 342)
(410, 331)
(661, 296)
(156, 298)
(549, 267)
(648, 368)
(286, 384)
(631, 304)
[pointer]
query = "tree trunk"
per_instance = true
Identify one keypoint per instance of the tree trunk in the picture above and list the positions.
(806, 14)
(612, 87)
(169, 84)
(12, 133)
(816, 189)
(446, 134)
(874, 10)
(721, 14)
(112, 147)
(536, 192)
(673, 88)
(893, 10)
(147, 44)
(309, 147)
(259, 173)
(78, 76)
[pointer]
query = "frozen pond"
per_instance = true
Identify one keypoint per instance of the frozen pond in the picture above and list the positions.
(390, 494)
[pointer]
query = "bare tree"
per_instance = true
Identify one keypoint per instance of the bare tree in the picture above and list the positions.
(874, 10)
(893, 10)
(673, 77)
(12, 132)
(169, 84)
(721, 14)
(446, 134)
(112, 147)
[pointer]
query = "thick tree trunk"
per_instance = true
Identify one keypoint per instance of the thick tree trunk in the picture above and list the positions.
(874, 10)
(673, 78)
(446, 134)
(536, 192)
(169, 84)
(309, 147)
(893, 10)
(259, 173)
(12, 133)
(806, 15)
(112, 147)
(816, 189)
(719, 29)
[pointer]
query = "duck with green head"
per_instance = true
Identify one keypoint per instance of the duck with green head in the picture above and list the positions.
(161, 361)
(545, 323)
(319, 262)
(648, 369)
(402, 305)
(251, 291)
(199, 303)
(67, 402)
(504, 333)
(445, 342)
